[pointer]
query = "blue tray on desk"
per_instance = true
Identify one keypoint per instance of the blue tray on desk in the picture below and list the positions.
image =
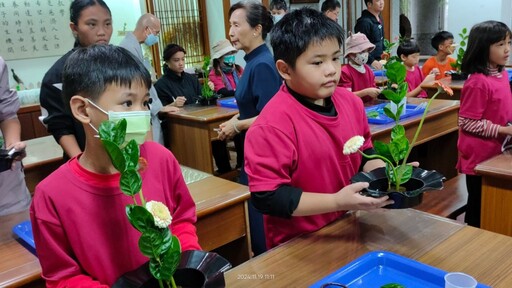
(26, 238)
(378, 268)
(228, 103)
(410, 110)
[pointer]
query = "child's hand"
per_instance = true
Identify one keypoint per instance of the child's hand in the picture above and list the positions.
(372, 92)
(431, 77)
(377, 65)
(349, 198)
(434, 71)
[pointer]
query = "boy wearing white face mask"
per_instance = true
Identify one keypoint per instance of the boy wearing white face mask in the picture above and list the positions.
(81, 201)
(357, 76)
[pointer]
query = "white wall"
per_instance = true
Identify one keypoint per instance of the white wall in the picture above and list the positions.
(460, 14)
(32, 70)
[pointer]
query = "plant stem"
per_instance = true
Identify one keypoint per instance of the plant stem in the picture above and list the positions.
(419, 126)
(375, 156)
(173, 284)
(160, 283)
(142, 200)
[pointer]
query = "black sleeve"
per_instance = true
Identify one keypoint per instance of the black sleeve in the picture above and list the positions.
(281, 202)
(162, 93)
(59, 119)
(225, 92)
(369, 151)
(364, 26)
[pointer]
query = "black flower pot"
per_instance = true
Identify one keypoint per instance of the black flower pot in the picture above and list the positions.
(421, 181)
(197, 269)
(6, 159)
(458, 75)
(208, 101)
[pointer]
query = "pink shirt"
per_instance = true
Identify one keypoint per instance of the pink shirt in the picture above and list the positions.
(289, 144)
(414, 79)
(82, 234)
(483, 97)
(356, 81)
(217, 79)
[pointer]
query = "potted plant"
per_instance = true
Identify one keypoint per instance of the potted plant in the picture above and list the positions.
(208, 96)
(398, 179)
(152, 219)
(456, 73)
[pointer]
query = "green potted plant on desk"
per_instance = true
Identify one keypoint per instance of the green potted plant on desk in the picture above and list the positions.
(398, 179)
(208, 96)
(152, 219)
(456, 73)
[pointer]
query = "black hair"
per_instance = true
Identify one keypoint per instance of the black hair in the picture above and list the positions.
(407, 48)
(77, 6)
(90, 70)
(367, 1)
(481, 37)
(311, 25)
(169, 51)
(439, 38)
(330, 5)
(255, 14)
(278, 5)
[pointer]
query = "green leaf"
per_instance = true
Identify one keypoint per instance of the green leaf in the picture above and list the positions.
(154, 242)
(396, 72)
(130, 182)
(382, 149)
(405, 171)
(165, 268)
(113, 131)
(390, 173)
(372, 114)
(140, 218)
(389, 113)
(392, 285)
(392, 95)
(131, 155)
(115, 154)
(464, 30)
(462, 43)
(399, 110)
(398, 148)
(397, 131)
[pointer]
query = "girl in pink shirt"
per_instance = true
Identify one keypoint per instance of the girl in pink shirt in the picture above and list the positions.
(485, 106)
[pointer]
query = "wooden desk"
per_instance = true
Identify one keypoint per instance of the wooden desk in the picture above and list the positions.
(430, 239)
(222, 225)
(189, 134)
(496, 211)
(436, 146)
(456, 86)
(44, 156)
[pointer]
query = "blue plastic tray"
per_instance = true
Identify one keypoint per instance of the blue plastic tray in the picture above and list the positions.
(509, 70)
(228, 103)
(24, 232)
(374, 269)
(379, 73)
(410, 110)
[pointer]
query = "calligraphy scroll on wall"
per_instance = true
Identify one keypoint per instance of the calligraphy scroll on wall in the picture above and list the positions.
(34, 28)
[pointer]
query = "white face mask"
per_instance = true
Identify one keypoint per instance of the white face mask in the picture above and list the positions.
(360, 58)
(277, 17)
(137, 123)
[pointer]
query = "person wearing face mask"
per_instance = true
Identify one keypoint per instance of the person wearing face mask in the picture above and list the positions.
(225, 74)
(278, 8)
(78, 212)
(90, 23)
(356, 76)
(146, 31)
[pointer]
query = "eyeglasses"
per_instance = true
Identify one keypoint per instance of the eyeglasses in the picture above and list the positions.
(151, 30)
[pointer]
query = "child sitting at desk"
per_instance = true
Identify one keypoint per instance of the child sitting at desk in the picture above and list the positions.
(225, 74)
(409, 53)
(357, 76)
(440, 63)
(298, 175)
(82, 234)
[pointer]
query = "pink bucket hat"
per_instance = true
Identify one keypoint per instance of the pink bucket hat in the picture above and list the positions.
(358, 43)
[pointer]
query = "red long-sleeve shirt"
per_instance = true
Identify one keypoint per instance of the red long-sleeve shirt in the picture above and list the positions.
(83, 237)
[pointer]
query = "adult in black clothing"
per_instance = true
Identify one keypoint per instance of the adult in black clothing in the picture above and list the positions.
(91, 23)
(371, 24)
(177, 88)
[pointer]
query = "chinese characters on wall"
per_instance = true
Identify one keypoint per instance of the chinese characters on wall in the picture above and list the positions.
(34, 28)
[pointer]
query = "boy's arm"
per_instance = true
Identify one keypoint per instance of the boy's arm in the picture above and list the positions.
(53, 250)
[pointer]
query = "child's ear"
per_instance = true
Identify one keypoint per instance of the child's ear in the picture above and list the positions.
(284, 69)
(80, 109)
(403, 57)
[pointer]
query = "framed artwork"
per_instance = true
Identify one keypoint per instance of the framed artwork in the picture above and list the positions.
(303, 1)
